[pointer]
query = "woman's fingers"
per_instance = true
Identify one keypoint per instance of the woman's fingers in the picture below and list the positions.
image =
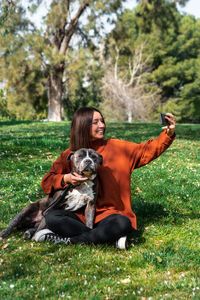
(76, 179)
(170, 118)
(172, 123)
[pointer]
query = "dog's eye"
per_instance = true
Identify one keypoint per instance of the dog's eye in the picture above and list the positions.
(94, 157)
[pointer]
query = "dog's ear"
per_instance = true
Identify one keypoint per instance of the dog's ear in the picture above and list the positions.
(100, 159)
(69, 156)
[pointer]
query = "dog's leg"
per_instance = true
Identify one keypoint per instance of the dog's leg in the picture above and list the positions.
(90, 208)
(30, 214)
(89, 214)
(15, 221)
(29, 233)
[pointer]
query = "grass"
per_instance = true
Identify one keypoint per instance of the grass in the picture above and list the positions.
(162, 261)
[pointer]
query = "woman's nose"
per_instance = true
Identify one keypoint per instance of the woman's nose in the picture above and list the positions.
(101, 124)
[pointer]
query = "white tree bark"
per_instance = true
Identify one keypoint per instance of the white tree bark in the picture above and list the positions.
(127, 89)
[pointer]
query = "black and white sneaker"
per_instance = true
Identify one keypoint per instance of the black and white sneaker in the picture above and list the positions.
(49, 236)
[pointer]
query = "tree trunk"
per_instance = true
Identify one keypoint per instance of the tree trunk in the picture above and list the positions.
(55, 95)
(60, 44)
(129, 115)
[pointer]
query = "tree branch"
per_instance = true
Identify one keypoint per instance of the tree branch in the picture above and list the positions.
(71, 29)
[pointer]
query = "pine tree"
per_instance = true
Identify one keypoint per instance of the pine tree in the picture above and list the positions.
(21, 73)
(174, 43)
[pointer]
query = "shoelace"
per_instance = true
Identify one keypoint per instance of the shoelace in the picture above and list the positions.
(55, 238)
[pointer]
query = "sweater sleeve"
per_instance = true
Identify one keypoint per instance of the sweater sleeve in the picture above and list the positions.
(52, 180)
(146, 152)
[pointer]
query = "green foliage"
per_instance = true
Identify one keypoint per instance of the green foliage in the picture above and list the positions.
(179, 72)
(173, 43)
(22, 76)
(29, 56)
(158, 13)
(82, 84)
(162, 260)
(3, 106)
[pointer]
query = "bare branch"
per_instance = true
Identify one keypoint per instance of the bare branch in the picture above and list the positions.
(129, 89)
(116, 63)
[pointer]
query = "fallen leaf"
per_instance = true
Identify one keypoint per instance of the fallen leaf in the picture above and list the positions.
(126, 280)
(138, 190)
(159, 259)
(5, 246)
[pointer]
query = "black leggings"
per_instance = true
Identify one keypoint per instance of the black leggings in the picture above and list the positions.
(67, 224)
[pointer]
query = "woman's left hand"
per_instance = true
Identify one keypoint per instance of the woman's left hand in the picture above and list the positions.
(172, 124)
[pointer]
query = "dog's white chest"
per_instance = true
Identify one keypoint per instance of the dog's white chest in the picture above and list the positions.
(79, 196)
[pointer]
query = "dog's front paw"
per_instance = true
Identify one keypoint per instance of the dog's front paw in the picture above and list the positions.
(27, 235)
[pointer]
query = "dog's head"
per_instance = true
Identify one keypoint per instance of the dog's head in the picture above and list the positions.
(85, 161)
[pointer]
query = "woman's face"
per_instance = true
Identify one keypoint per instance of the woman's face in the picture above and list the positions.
(98, 126)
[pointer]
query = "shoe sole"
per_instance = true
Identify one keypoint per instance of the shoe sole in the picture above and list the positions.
(40, 235)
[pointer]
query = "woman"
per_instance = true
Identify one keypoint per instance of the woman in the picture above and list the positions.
(114, 217)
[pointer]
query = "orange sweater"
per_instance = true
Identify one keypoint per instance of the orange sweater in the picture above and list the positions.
(120, 158)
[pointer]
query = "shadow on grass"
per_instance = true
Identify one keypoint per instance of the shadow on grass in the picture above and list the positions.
(14, 122)
(147, 214)
(153, 213)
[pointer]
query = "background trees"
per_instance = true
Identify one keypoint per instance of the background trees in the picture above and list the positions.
(21, 74)
(43, 54)
(72, 60)
(172, 42)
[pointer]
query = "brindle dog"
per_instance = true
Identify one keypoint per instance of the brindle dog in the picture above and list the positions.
(85, 162)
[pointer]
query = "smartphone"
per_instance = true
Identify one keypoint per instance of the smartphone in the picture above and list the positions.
(164, 121)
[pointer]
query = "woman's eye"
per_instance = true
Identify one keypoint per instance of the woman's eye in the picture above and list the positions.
(96, 122)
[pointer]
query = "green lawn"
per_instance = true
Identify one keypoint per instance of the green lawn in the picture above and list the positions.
(163, 259)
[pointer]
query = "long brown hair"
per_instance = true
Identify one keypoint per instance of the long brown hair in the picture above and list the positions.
(80, 136)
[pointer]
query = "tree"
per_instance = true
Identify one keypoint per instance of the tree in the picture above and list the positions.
(60, 30)
(61, 34)
(174, 46)
(179, 73)
(20, 73)
(128, 89)
(43, 54)
(82, 85)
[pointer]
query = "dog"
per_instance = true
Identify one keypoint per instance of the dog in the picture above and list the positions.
(85, 162)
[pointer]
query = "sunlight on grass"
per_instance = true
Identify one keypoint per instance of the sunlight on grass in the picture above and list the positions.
(162, 261)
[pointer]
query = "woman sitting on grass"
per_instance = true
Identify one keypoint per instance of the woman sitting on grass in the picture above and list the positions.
(114, 218)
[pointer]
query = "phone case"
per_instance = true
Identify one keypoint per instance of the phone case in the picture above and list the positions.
(163, 120)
